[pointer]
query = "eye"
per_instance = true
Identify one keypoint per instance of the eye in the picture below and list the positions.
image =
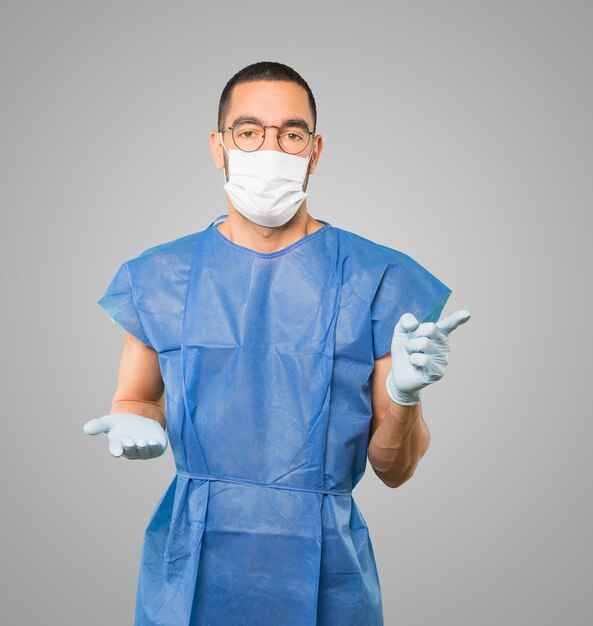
(248, 130)
(292, 135)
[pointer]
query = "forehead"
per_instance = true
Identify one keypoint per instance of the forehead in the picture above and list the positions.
(271, 101)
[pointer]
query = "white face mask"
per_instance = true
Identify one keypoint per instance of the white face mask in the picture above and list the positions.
(266, 186)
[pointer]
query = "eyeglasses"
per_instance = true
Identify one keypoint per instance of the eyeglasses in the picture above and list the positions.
(250, 136)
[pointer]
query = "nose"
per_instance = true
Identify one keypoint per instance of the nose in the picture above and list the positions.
(271, 139)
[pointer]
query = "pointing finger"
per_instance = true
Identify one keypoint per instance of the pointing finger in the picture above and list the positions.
(115, 448)
(451, 322)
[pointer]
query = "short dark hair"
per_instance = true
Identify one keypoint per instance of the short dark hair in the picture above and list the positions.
(263, 70)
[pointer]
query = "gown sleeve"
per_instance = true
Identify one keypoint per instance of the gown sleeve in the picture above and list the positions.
(405, 287)
(118, 301)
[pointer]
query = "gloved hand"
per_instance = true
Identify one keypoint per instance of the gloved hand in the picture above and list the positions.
(134, 436)
(419, 355)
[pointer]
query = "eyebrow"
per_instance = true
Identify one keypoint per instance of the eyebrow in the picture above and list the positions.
(251, 118)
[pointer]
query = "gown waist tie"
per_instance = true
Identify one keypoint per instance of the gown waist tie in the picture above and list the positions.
(228, 479)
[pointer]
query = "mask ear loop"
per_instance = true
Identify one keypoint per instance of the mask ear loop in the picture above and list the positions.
(312, 151)
(224, 148)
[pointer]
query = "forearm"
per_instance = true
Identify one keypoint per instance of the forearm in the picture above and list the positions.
(152, 410)
(398, 443)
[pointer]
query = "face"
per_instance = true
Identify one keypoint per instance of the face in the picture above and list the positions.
(272, 103)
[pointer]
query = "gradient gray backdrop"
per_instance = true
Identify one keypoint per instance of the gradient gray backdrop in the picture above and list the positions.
(456, 132)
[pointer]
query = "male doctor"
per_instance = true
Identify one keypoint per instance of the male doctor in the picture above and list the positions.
(278, 352)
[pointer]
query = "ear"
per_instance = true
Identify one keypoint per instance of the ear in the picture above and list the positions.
(317, 148)
(216, 149)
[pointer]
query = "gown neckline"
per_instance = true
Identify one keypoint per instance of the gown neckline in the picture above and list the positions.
(267, 255)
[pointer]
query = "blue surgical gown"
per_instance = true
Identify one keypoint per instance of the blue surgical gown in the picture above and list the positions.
(266, 360)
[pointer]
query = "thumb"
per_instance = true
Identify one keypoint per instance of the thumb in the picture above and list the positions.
(406, 323)
(451, 322)
(95, 426)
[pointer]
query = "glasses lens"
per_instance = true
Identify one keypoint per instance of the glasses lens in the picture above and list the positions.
(248, 136)
(293, 139)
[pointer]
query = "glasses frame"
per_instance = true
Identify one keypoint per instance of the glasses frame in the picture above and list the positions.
(232, 129)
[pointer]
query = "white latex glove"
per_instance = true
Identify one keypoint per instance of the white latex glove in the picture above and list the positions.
(134, 436)
(419, 355)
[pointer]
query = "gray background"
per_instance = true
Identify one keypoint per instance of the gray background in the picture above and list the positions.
(457, 132)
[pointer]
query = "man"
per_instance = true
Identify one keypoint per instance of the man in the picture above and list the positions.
(277, 351)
